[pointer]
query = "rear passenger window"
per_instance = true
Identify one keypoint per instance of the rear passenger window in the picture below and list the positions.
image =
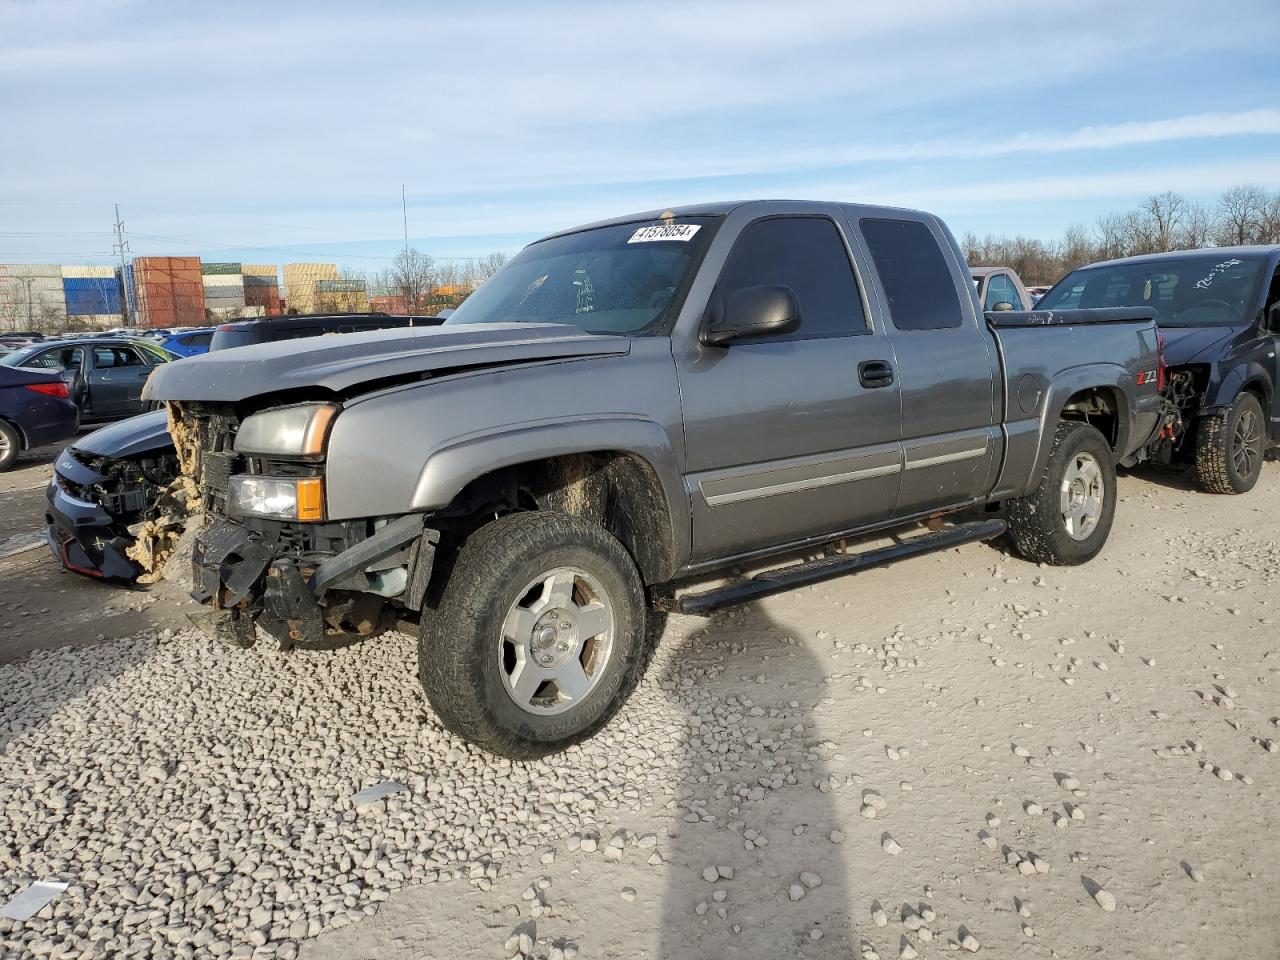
(914, 274)
(807, 255)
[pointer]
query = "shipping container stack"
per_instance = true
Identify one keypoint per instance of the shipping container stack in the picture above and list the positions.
(169, 291)
(341, 296)
(261, 289)
(92, 296)
(223, 291)
(300, 284)
(31, 296)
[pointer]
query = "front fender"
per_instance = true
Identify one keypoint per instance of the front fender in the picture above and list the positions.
(1246, 374)
(450, 467)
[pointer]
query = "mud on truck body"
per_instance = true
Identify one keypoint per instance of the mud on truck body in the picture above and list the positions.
(626, 408)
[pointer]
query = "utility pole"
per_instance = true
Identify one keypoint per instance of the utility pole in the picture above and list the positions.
(404, 209)
(121, 246)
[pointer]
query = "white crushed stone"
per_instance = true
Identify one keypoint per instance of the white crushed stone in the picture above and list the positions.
(205, 798)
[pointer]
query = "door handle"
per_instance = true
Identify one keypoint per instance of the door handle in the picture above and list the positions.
(875, 373)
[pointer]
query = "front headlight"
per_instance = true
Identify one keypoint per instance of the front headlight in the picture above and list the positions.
(299, 430)
(280, 498)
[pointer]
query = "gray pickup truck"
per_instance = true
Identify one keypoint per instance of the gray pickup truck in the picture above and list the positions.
(627, 408)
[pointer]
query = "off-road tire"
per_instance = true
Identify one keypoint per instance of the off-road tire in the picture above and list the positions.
(1036, 525)
(10, 446)
(1215, 448)
(458, 660)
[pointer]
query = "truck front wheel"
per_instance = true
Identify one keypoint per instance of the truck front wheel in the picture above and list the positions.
(1066, 519)
(1230, 447)
(539, 636)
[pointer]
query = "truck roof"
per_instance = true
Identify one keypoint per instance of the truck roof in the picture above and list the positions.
(1256, 249)
(723, 208)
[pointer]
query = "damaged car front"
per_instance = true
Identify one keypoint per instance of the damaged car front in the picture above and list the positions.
(107, 488)
(307, 464)
(270, 552)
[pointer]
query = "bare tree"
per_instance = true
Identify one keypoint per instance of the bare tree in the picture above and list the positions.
(488, 265)
(1270, 232)
(1241, 213)
(413, 278)
(1197, 228)
(1076, 249)
(1113, 236)
(1159, 219)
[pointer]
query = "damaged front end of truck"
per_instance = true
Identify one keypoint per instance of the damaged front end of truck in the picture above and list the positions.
(269, 555)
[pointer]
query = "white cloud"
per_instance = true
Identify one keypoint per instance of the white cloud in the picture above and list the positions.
(303, 120)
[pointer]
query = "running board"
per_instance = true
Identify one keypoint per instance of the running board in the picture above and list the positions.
(815, 571)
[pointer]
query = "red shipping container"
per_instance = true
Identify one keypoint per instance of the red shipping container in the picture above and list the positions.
(170, 291)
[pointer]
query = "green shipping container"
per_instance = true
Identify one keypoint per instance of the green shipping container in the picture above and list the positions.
(219, 268)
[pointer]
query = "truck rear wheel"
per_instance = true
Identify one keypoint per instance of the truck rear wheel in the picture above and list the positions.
(539, 635)
(1066, 519)
(1230, 447)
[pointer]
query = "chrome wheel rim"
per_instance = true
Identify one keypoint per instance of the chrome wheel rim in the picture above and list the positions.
(1083, 494)
(4, 445)
(557, 639)
(1246, 449)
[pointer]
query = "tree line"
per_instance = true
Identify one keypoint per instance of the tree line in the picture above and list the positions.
(425, 285)
(1243, 214)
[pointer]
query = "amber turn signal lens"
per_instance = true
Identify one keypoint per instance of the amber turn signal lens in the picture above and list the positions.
(311, 499)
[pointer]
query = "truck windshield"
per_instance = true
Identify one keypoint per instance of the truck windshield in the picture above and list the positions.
(621, 279)
(1205, 290)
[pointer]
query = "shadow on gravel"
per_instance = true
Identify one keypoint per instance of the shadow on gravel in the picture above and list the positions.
(1181, 478)
(41, 684)
(743, 882)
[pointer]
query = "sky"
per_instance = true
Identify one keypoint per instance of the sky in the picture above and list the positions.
(277, 132)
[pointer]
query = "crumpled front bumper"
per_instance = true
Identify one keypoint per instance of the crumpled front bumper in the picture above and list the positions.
(81, 534)
(241, 581)
(237, 577)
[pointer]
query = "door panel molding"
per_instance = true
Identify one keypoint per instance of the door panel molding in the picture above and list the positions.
(932, 453)
(802, 473)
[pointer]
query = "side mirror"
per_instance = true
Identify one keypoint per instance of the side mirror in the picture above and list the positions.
(764, 311)
(1002, 306)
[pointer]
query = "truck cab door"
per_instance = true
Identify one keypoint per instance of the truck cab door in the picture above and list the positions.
(947, 366)
(795, 436)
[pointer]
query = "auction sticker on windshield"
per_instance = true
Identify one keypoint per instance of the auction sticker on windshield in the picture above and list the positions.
(666, 231)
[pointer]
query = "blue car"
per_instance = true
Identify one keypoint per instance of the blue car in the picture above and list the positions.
(35, 409)
(188, 342)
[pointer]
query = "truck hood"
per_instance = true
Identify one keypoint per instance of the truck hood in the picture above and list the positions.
(1183, 345)
(338, 363)
(146, 433)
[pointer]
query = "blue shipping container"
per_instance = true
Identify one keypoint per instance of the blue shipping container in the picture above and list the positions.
(90, 295)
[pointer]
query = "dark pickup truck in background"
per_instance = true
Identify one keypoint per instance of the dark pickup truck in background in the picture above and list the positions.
(1219, 314)
(629, 407)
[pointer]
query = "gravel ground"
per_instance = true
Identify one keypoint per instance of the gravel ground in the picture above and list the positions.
(960, 752)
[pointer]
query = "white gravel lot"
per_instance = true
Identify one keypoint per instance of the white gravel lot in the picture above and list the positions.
(962, 752)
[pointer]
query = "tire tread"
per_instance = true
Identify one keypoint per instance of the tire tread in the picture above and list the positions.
(451, 673)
